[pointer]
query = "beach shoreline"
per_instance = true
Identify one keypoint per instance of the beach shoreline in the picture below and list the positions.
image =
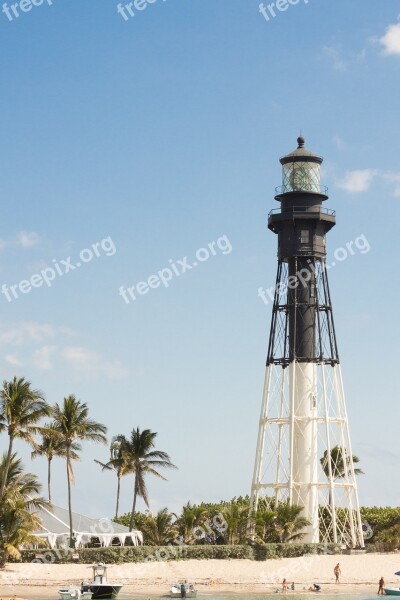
(360, 575)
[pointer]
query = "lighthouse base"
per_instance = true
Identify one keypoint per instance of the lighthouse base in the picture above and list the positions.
(304, 451)
(303, 422)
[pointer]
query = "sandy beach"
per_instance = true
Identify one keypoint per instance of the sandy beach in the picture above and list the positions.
(360, 573)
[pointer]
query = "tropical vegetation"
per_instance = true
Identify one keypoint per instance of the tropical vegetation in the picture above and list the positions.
(228, 529)
(72, 423)
(18, 516)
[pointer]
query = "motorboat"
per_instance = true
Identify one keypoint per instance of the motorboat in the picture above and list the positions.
(100, 587)
(74, 592)
(393, 591)
(183, 589)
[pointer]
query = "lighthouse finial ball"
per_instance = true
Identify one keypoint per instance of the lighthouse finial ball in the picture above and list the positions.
(301, 141)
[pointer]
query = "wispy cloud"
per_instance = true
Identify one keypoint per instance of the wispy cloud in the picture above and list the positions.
(339, 142)
(334, 53)
(47, 347)
(342, 60)
(357, 181)
(392, 177)
(22, 333)
(43, 357)
(92, 364)
(360, 180)
(24, 239)
(27, 239)
(13, 360)
(391, 40)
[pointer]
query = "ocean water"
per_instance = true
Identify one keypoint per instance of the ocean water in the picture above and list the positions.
(47, 594)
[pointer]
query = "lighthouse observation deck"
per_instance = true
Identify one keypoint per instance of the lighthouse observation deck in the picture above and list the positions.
(300, 217)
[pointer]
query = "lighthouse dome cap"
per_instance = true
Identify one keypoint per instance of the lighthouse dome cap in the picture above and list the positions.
(301, 154)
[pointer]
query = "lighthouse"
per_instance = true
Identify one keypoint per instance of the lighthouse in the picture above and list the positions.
(304, 454)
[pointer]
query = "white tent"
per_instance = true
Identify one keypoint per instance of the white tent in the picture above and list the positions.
(55, 529)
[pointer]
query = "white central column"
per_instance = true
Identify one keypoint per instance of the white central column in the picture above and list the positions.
(305, 452)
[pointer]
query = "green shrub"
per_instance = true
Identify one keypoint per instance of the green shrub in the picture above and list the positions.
(140, 554)
(137, 554)
(270, 551)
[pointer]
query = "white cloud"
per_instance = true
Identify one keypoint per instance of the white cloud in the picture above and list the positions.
(339, 142)
(13, 360)
(90, 363)
(26, 332)
(43, 358)
(342, 60)
(44, 349)
(358, 181)
(391, 40)
(392, 177)
(27, 239)
(335, 54)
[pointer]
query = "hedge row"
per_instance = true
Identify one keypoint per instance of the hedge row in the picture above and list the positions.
(140, 554)
(267, 551)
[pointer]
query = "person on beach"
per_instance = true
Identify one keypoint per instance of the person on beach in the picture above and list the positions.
(292, 587)
(381, 585)
(183, 590)
(284, 586)
(337, 572)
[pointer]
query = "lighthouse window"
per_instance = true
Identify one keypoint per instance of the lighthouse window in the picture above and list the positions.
(305, 236)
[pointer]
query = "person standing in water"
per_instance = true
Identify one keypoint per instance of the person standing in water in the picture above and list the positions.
(183, 590)
(381, 585)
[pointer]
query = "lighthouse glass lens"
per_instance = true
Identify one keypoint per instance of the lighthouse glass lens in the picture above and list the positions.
(301, 176)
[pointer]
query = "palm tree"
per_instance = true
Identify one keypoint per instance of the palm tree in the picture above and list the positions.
(18, 516)
(265, 523)
(71, 421)
(340, 463)
(21, 408)
(289, 522)
(52, 445)
(159, 530)
(191, 520)
(236, 517)
(117, 463)
(141, 460)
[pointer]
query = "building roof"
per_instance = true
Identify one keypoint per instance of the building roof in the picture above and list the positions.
(56, 520)
(55, 528)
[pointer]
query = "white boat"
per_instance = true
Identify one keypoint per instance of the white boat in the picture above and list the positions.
(183, 589)
(73, 592)
(100, 587)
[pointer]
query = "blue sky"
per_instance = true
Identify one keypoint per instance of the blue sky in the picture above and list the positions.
(162, 133)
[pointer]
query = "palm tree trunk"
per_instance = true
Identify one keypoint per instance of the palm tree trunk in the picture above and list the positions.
(118, 493)
(49, 479)
(134, 505)
(69, 497)
(7, 467)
